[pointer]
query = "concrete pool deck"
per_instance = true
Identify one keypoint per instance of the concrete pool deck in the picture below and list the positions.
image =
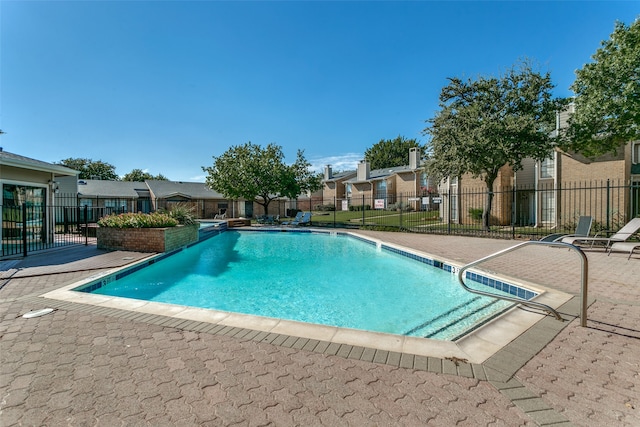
(99, 365)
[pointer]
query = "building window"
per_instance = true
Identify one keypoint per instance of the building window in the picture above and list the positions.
(425, 184)
(635, 198)
(349, 190)
(15, 198)
(548, 206)
(17, 195)
(635, 155)
(546, 168)
(381, 188)
(115, 206)
(453, 199)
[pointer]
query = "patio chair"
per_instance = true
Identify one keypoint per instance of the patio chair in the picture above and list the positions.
(621, 235)
(268, 219)
(297, 218)
(305, 220)
(583, 228)
(624, 247)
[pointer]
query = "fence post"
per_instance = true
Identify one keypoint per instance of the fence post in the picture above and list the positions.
(513, 212)
(608, 207)
(363, 209)
(448, 211)
(401, 209)
(86, 225)
(335, 208)
(24, 229)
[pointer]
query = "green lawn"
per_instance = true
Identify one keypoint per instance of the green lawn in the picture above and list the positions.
(376, 217)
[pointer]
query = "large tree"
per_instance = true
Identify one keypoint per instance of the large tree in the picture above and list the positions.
(90, 169)
(259, 174)
(388, 153)
(485, 124)
(138, 175)
(607, 96)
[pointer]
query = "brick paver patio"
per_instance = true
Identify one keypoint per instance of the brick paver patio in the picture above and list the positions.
(81, 366)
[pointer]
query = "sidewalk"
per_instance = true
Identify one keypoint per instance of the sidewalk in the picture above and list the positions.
(85, 366)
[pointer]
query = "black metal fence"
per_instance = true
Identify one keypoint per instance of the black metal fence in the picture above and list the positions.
(33, 227)
(522, 212)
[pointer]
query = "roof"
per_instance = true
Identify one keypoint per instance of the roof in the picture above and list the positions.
(134, 190)
(15, 160)
(194, 190)
(114, 189)
(378, 174)
(340, 175)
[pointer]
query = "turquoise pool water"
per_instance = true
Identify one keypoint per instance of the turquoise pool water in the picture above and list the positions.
(321, 278)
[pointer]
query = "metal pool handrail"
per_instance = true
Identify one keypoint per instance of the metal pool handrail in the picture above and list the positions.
(583, 287)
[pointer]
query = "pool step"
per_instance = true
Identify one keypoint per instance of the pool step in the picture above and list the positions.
(429, 323)
(477, 317)
(442, 327)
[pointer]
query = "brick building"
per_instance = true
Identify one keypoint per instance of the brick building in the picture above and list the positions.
(555, 191)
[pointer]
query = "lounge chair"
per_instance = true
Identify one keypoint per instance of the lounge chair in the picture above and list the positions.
(297, 218)
(582, 230)
(624, 247)
(621, 235)
(268, 219)
(305, 220)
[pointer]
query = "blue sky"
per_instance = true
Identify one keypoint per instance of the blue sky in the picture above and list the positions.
(164, 86)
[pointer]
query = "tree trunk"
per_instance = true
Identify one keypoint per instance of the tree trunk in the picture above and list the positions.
(486, 214)
(265, 204)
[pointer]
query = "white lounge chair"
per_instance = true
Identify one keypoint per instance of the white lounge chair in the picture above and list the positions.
(582, 230)
(624, 247)
(621, 235)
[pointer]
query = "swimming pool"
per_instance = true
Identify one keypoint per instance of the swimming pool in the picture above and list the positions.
(321, 278)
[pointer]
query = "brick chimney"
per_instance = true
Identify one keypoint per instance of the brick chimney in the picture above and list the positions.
(363, 170)
(414, 158)
(328, 173)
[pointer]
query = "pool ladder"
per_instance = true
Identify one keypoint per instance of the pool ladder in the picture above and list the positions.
(583, 278)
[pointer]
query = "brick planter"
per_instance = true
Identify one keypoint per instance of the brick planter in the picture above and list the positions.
(146, 239)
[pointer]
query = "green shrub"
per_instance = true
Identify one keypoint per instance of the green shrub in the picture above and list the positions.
(138, 220)
(476, 213)
(183, 213)
(400, 206)
(358, 208)
(325, 208)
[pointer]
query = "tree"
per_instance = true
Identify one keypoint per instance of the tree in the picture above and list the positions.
(390, 152)
(491, 122)
(138, 175)
(607, 96)
(90, 169)
(252, 173)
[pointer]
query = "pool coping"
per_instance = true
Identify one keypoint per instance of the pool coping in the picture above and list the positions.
(499, 369)
(478, 347)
